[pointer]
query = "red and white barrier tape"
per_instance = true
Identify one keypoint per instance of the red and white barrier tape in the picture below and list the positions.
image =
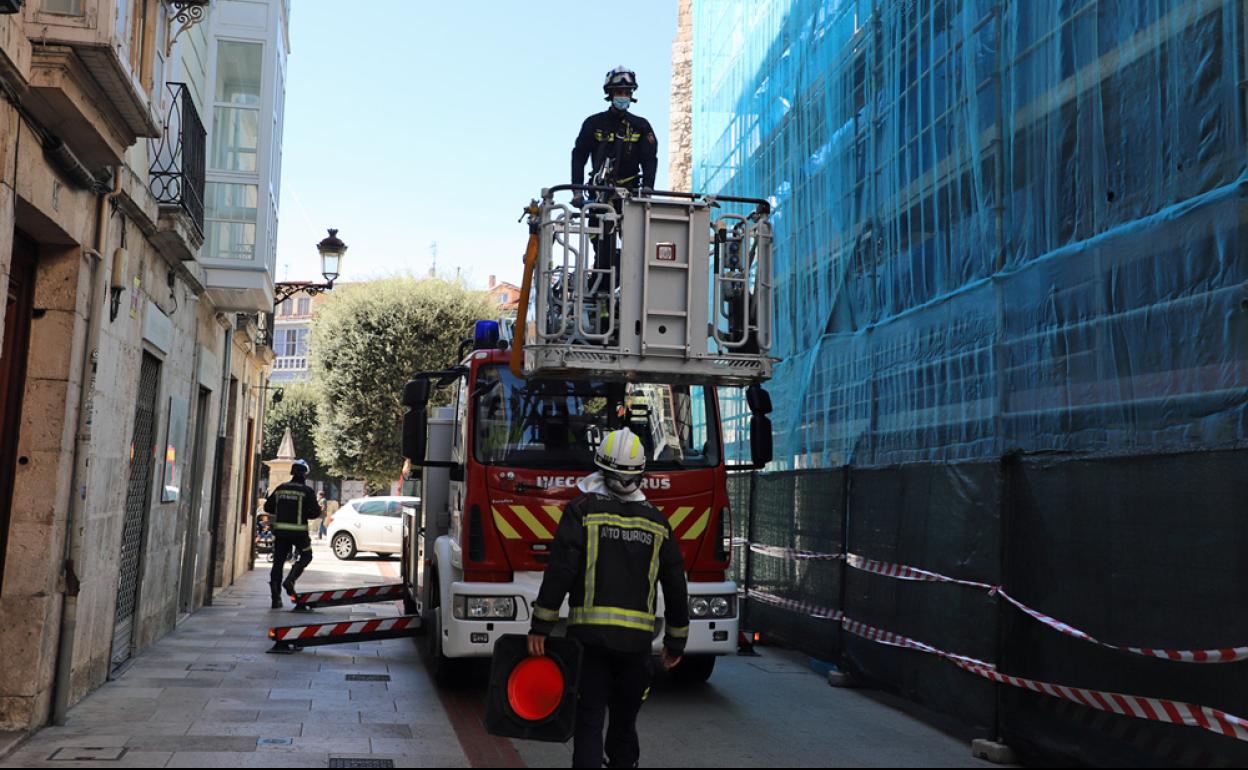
(291, 633)
(903, 572)
(794, 553)
(1225, 655)
(813, 610)
(1153, 709)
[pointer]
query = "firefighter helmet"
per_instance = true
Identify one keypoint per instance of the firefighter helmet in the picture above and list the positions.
(300, 468)
(620, 77)
(622, 458)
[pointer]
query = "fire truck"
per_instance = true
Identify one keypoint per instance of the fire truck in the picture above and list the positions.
(635, 311)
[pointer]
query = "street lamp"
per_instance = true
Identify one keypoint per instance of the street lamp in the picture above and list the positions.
(331, 250)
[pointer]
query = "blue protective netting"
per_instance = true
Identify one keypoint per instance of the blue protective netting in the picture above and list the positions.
(1000, 226)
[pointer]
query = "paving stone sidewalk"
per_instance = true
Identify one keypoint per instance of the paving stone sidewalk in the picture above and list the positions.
(207, 695)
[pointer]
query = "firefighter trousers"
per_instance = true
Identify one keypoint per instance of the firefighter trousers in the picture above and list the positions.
(613, 683)
(283, 543)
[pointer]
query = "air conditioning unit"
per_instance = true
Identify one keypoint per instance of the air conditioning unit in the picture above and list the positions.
(10, 6)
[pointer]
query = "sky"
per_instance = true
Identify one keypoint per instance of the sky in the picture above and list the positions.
(410, 122)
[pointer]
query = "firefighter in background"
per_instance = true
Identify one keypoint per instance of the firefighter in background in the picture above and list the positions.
(622, 147)
(292, 505)
(609, 549)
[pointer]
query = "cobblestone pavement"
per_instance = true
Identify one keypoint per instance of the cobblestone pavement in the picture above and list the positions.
(207, 695)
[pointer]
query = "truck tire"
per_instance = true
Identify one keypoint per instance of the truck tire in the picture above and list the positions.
(441, 669)
(694, 669)
(343, 546)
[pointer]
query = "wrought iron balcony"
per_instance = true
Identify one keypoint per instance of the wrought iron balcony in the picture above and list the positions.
(180, 157)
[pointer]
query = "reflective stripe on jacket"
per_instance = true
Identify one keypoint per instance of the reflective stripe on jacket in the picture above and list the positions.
(609, 557)
(292, 505)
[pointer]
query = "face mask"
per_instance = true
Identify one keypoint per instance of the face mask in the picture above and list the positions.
(621, 103)
(622, 486)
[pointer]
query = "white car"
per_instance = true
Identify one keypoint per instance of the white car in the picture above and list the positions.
(369, 524)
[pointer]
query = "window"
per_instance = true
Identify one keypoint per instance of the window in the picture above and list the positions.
(372, 508)
(230, 221)
(301, 342)
(236, 116)
(286, 307)
(554, 423)
(304, 305)
(67, 7)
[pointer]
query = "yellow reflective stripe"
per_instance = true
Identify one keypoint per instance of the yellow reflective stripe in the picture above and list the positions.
(591, 562)
(541, 613)
(627, 522)
(291, 527)
(611, 616)
(508, 531)
(696, 530)
(531, 522)
(678, 632)
(610, 443)
(554, 512)
(632, 453)
(679, 516)
(654, 572)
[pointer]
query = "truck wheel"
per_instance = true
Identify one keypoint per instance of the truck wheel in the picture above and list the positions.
(694, 669)
(441, 668)
(344, 546)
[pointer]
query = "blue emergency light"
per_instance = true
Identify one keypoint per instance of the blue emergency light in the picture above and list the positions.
(485, 335)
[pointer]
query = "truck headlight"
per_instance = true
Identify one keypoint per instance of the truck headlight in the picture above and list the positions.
(721, 607)
(699, 607)
(485, 608)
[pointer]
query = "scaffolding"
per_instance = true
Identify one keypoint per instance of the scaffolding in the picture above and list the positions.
(1000, 226)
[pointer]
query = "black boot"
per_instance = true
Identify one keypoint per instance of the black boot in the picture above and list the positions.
(275, 590)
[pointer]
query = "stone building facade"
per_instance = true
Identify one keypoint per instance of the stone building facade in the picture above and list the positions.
(131, 374)
(680, 129)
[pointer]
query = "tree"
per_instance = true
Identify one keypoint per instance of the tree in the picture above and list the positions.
(297, 411)
(366, 343)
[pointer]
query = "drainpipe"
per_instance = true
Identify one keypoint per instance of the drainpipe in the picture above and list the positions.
(82, 443)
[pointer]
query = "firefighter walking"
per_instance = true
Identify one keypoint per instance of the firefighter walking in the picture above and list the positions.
(611, 550)
(291, 506)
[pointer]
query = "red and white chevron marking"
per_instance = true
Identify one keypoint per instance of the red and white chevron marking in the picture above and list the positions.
(903, 572)
(316, 597)
(296, 633)
(794, 553)
(813, 610)
(1153, 709)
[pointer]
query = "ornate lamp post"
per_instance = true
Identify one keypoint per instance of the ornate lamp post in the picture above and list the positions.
(331, 249)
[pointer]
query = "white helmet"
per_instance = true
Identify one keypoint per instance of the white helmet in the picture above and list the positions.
(620, 77)
(622, 458)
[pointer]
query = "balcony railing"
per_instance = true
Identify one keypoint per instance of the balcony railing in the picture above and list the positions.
(180, 157)
(290, 364)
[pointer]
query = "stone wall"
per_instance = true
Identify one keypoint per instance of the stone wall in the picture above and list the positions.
(680, 133)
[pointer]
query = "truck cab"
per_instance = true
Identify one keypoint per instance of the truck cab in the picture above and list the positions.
(502, 461)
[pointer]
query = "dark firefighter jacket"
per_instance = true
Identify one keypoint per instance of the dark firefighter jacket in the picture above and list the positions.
(608, 555)
(292, 505)
(623, 137)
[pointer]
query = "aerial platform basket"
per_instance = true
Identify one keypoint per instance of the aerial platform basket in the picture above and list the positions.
(661, 287)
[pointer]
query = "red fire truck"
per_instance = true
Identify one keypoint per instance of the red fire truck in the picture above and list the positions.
(645, 341)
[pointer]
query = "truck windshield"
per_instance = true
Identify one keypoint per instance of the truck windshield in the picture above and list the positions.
(556, 423)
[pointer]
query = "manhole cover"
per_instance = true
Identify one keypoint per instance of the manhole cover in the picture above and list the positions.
(218, 667)
(344, 762)
(275, 742)
(368, 678)
(89, 754)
